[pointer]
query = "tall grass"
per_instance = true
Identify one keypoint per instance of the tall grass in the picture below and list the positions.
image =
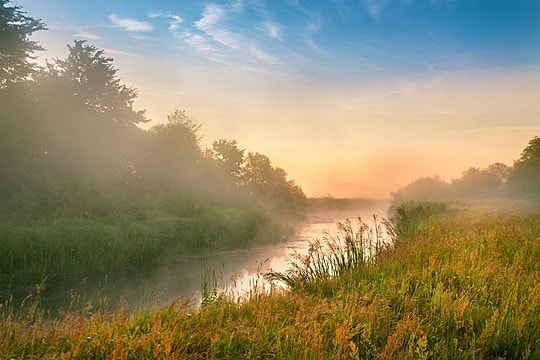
(64, 246)
(332, 256)
(463, 286)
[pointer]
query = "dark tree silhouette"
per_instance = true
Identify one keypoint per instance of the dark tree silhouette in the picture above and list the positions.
(95, 82)
(476, 183)
(229, 155)
(526, 175)
(15, 46)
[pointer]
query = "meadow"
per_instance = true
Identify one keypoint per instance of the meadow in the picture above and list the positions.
(460, 282)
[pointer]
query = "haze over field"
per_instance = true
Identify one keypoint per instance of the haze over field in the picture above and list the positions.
(352, 98)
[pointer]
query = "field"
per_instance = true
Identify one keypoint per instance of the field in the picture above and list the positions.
(462, 281)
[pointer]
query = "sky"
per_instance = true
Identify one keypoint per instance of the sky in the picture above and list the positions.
(351, 98)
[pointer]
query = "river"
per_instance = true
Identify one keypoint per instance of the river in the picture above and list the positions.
(235, 272)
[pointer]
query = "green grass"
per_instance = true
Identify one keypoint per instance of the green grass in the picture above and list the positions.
(108, 239)
(463, 284)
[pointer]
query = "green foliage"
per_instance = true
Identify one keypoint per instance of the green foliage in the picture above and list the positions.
(477, 183)
(258, 175)
(15, 46)
(84, 191)
(427, 188)
(498, 179)
(348, 251)
(94, 81)
(106, 235)
(464, 286)
(406, 217)
(525, 178)
(229, 156)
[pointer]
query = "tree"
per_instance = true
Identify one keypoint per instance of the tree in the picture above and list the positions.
(95, 82)
(15, 46)
(423, 189)
(477, 183)
(526, 175)
(259, 174)
(229, 155)
(502, 171)
(178, 142)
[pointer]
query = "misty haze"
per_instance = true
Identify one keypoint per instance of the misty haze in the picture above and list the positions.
(269, 179)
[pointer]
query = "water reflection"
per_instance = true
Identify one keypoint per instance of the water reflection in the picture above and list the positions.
(235, 272)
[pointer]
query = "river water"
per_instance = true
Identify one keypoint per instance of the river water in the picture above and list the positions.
(234, 272)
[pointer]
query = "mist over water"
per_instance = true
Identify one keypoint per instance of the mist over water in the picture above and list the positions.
(235, 273)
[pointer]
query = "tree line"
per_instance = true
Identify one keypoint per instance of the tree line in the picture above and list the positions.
(69, 132)
(522, 179)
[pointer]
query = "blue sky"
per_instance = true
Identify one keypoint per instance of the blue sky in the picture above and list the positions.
(352, 87)
(330, 38)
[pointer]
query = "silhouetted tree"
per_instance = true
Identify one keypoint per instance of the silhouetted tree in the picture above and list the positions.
(526, 175)
(229, 155)
(427, 188)
(258, 174)
(95, 82)
(502, 171)
(15, 46)
(476, 183)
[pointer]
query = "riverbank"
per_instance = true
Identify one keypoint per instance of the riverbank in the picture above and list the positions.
(461, 282)
(77, 243)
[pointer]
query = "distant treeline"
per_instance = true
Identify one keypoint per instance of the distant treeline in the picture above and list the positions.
(69, 135)
(84, 189)
(497, 180)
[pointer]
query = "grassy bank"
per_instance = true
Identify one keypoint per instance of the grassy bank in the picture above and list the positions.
(462, 282)
(121, 238)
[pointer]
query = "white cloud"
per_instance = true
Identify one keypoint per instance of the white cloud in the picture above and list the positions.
(211, 16)
(237, 6)
(273, 30)
(209, 25)
(374, 7)
(130, 24)
(174, 20)
(82, 34)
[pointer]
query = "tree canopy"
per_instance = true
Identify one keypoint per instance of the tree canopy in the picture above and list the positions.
(526, 175)
(16, 48)
(94, 80)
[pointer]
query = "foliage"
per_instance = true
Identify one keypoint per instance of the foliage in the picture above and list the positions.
(465, 286)
(84, 190)
(348, 251)
(427, 188)
(16, 47)
(258, 175)
(525, 178)
(496, 180)
(94, 80)
(229, 156)
(477, 183)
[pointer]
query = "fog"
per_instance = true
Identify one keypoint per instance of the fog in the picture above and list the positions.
(125, 156)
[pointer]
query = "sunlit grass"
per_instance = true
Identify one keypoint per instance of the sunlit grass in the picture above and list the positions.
(463, 284)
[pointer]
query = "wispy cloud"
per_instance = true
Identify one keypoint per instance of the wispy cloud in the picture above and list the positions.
(273, 30)
(130, 24)
(83, 34)
(374, 7)
(237, 6)
(174, 20)
(210, 25)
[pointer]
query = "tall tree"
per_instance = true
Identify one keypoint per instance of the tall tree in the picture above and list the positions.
(526, 175)
(95, 82)
(15, 46)
(229, 155)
